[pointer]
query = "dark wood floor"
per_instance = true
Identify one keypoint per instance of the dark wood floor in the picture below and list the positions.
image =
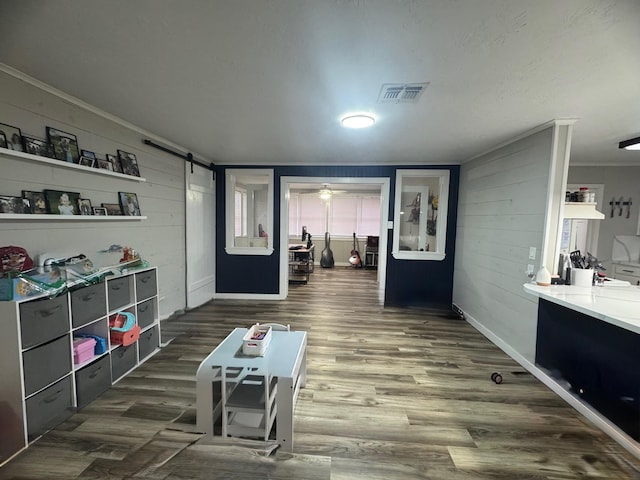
(391, 394)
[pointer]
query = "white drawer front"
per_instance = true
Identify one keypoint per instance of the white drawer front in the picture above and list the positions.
(627, 271)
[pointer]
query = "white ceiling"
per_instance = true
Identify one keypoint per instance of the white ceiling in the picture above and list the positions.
(265, 81)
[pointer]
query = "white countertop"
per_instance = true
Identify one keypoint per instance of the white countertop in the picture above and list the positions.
(616, 304)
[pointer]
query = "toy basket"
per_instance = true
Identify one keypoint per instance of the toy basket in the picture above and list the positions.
(256, 340)
(37, 281)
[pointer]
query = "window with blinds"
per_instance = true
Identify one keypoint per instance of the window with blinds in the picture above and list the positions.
(342, 215)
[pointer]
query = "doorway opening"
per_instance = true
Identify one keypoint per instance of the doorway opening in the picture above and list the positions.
(289, 184)
(582, 234)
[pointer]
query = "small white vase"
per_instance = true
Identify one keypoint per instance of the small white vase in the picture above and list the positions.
(543, 277)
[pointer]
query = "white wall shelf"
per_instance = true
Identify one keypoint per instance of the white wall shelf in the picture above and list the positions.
(73, 166)
(582, 210)
(68, 218)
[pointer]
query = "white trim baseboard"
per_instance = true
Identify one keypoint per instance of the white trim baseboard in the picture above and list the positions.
(248, 296)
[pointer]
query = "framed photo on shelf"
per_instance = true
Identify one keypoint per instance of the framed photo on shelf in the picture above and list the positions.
(129, 204)
(84, 205)
(62, 203)
(13, 137)
(101, 211)
(129, 163)
(37, 201)
(112, 208)
(86, 161)
(104, 164)
(10, 204)
(65, 145)
(87, 153)
(36, 146)
(115, 162)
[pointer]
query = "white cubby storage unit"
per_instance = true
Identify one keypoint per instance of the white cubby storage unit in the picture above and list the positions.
(40, 386)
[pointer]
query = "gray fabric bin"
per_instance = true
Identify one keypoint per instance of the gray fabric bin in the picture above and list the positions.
(146, 285)
(88, 304)
(148, 342)
(43, 320)
(49, 407)
(46, 364)
(92, 380)
(146, 313)
(123, 359)
(119, 291)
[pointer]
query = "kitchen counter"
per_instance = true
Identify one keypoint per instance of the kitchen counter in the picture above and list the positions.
(618, 304)
(586, 339)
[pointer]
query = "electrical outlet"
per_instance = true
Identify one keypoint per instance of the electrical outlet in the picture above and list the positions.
(532, 253)
(530, 272)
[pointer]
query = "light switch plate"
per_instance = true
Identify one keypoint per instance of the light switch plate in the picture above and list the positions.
(532, 253)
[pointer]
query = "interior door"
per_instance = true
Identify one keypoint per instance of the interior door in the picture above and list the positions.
(199, 235)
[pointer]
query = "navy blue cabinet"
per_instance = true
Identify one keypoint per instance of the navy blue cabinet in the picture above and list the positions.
(597, 359)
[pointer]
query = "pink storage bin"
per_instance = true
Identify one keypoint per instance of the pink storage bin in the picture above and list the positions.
(83, 349)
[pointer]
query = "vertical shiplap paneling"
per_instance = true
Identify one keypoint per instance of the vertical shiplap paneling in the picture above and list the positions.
(501, 213)
(159, 239)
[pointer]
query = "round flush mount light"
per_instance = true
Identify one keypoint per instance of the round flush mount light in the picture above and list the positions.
(359, 120)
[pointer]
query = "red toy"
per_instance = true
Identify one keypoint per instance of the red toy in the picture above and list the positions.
(123, 328)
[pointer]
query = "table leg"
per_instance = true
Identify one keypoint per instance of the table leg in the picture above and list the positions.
(303, 370)
(205, 400)
(284, 415)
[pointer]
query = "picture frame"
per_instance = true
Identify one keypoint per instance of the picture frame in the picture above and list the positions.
(117, 167)
(129, 204)
(104, 164)
(37, 146)
(37, 201)
(86, 161)
(129, 163)
(16, 205)
(62, 203)
(65, 145)
(13, 137)
(87, 153)
(112, 208)
(84, 206)
(100, 211)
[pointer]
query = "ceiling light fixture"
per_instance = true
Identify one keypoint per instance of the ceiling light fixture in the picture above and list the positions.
(632, 144)
(325, 194)
(359, 120)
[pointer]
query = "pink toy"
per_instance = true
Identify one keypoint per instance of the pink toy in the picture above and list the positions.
(83, 349)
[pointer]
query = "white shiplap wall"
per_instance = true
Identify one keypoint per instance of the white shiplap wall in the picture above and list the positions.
(501, 214)
(159, 239)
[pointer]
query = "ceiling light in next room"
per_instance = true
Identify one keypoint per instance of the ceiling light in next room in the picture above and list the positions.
(632, 144)
(359, 120)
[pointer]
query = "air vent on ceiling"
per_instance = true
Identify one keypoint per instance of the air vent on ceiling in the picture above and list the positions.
(401, 92)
